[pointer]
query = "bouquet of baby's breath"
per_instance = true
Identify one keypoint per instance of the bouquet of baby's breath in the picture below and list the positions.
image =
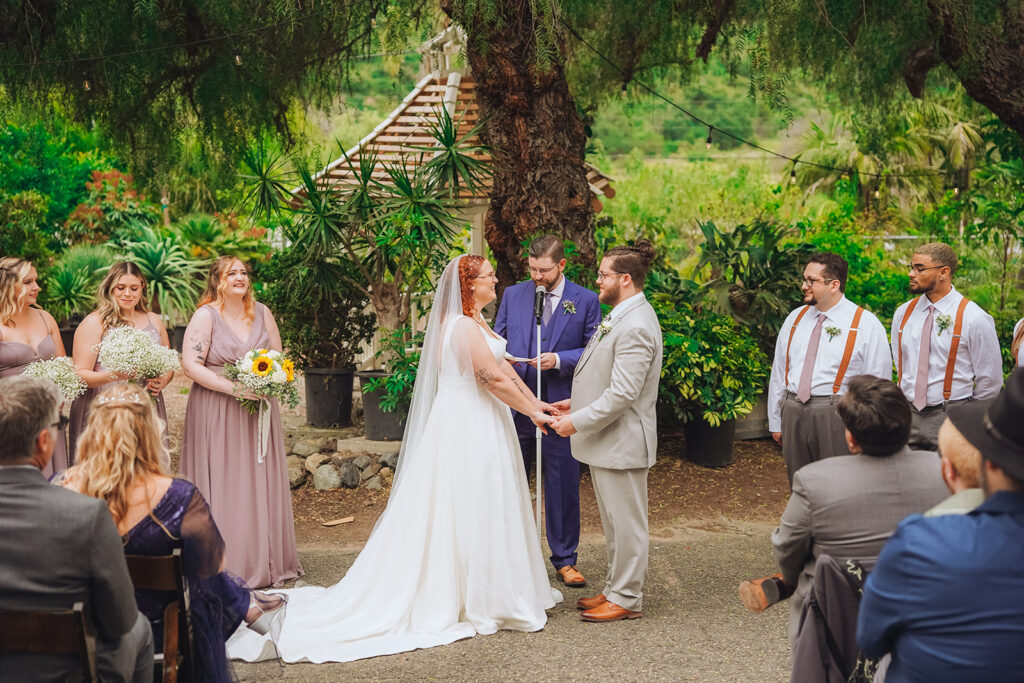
(131, 352)
(267, 374)
(61, 371)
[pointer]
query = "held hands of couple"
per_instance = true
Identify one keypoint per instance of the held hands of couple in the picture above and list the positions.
(563, 426)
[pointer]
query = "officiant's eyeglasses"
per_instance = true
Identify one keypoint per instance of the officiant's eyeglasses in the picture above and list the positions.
(602, 275)
(61, 422)
(542, 271)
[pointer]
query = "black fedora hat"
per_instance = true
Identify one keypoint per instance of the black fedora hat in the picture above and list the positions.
(969, 420)
(1004, 424)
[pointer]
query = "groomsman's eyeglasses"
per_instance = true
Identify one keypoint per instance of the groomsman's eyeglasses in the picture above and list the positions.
(542, 271)
(811, 281)
(62, 422)
(602, 275)
(918, 268)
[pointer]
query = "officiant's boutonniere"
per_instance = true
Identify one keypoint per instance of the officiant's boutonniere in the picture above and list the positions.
(604, 328)
(568, 307)
(943, 321)
(832, 331)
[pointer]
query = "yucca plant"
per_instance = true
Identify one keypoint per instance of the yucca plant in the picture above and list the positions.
(175, 279)
(452, 162)
(70, 287)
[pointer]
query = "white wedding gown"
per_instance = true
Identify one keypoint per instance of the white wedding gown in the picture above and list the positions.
(454, 554)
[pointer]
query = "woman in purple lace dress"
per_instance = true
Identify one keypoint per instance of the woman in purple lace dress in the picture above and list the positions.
(120, 455)
(122, 301)
(241, 473)
(27, 334)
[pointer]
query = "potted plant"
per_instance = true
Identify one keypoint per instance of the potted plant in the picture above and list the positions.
(387, 394)
(712, 373)
(323, 324)
(69, 288)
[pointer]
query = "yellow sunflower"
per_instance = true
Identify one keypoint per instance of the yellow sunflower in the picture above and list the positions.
(262, 366)
(289, 369)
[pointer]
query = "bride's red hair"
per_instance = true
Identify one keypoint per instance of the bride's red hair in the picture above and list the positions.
(469, 269)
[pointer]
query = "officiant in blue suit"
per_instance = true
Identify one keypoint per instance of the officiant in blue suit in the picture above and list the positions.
(571, 314)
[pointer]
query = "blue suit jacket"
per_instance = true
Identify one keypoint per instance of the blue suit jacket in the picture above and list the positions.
(569, 336)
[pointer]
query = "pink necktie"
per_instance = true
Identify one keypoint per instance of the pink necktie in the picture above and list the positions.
(803, 390)
(549, 308)
(921, 383)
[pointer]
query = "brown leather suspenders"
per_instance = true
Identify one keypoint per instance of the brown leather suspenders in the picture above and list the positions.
(851, 339)
(954, 346)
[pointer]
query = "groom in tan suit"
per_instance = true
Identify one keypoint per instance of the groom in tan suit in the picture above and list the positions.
(613, 426)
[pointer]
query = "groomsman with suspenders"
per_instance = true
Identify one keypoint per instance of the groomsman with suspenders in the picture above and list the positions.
(820, 346)
(946, 347)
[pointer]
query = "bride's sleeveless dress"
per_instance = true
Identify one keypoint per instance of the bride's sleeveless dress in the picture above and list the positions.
(454, 554)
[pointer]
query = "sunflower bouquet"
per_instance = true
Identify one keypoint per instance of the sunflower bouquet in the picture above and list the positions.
(267, 374)
(60, 371)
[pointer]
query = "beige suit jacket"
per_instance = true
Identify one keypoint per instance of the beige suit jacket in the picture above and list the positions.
(615, 389)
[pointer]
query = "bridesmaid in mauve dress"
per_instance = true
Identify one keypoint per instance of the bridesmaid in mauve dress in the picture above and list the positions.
(251, 500)
(27, 334)
(122, 301)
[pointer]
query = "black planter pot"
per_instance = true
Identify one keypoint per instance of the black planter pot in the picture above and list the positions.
(329, 396)
(177, 337)
(380, 425)
(710, 446)
(67, 335)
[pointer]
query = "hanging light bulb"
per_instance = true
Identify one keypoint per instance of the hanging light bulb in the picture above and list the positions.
(792, 177)
(878, 194)
(623, 91)
(86, 85)
(238, 59)
(708, 141)
(956, 189)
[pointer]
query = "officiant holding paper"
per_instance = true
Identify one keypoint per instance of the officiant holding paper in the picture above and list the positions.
(570, 316)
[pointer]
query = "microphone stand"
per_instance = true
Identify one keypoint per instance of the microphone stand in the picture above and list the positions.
(538, 310)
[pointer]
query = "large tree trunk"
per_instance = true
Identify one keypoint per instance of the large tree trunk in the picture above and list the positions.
(991, 68)
(537, 140)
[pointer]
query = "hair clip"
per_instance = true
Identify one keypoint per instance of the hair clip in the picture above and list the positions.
(122, 397)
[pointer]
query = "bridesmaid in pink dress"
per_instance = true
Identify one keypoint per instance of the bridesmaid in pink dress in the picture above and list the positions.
(28, 334)
(122, 301)
(250, 500)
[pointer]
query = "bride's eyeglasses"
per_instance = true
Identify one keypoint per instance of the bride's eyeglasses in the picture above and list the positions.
(489, 276)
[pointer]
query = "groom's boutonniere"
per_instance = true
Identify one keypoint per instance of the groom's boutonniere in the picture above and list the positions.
(943, 322)
(604, 328)
(568, 307)
(832, 331)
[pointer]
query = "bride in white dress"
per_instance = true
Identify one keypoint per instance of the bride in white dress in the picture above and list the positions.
(456, 551)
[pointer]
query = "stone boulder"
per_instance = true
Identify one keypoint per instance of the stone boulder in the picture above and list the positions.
(314, 461)
(361, 461)
(326, 477)
(373, 483)
(350, 476)
(389, 460)
(371, 470)
(297, 472)
(305, 448)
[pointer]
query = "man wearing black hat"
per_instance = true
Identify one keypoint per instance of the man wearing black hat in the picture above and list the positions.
(947, 595)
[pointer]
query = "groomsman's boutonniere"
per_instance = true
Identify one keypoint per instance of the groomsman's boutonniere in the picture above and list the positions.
(943, 321)
(568, 307)
(832, 331)
(604, 328)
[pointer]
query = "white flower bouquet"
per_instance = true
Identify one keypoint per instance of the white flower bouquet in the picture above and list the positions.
(131, 352)
(60, 371)
(267, 374)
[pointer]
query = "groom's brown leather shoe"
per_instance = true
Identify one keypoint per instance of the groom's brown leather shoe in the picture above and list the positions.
(591, 603)
(609, 611)
(760, 594)
(571, 576)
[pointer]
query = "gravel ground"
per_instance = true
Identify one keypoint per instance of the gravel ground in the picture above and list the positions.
(694, 627)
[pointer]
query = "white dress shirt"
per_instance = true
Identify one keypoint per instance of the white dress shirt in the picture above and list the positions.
(871, 354)
(1020, 351)
(619, 307)
(979, 365)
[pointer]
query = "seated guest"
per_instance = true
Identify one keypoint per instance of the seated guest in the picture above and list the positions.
(947, 596)
(960, 463)
(119, 461)
(58, 548)
(848, 506)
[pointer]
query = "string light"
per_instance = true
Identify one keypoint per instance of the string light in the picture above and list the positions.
(623, 91)
(792, 176)
(86, 86)
(878, 193)
(238, 59)
(956, 189)
(707, 142)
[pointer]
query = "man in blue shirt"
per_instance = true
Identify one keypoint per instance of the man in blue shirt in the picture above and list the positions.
(947, 595)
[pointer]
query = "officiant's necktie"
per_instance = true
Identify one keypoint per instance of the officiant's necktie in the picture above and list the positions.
(549, 307)
(803, 390)
(921, 383)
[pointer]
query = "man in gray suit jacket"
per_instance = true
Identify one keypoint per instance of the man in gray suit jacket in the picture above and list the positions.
(614, 428)
(848, 507)
(58, 547)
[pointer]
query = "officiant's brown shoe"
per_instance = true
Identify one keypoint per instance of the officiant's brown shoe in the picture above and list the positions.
(760, 594)
(609, 611)
(591, 603)
(571, 576)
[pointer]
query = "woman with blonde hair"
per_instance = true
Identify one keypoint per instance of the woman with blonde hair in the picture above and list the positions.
(1017, 347)
(249, 494)
(121, 301)
(27, 334)
(120, 456)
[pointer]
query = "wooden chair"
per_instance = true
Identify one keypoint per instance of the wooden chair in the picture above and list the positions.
(66, 632)
(165, 574)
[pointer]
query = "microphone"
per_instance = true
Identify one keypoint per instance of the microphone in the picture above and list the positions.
(538, 303)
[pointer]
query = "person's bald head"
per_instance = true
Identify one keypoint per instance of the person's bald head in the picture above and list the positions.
(961, 461)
